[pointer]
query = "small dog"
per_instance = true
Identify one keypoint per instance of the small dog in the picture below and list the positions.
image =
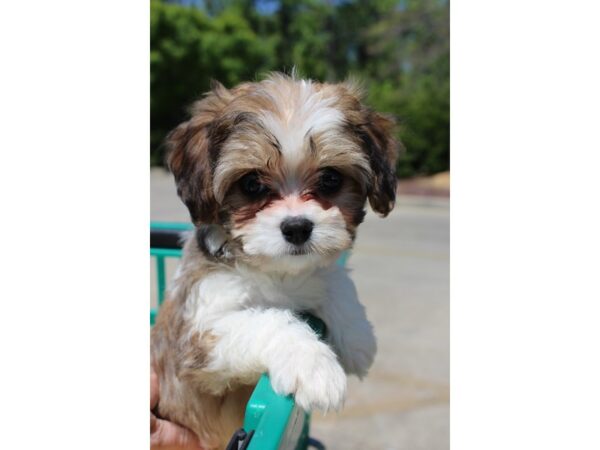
(276, 175)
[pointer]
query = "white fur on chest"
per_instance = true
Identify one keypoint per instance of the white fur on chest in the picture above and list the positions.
(237, 289)
(250, 318)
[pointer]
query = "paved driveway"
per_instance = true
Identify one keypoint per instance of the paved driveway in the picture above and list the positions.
(401, 268)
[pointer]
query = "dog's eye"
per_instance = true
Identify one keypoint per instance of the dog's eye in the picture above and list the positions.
(330, 181)
(251, 185)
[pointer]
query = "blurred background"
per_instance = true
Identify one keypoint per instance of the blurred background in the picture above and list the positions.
(400, 51)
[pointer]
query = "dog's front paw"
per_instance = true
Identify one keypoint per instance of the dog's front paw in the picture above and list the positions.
(314, 377)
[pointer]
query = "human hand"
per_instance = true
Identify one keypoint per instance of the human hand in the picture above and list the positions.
(165, 435)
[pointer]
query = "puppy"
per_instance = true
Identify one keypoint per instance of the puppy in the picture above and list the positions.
(276, 175)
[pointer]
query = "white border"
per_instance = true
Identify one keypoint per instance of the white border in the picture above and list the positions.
(74, 89)
(525, 296)
(74, 114)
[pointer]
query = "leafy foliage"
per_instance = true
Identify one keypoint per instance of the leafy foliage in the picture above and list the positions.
(188, 50)
(400, 49)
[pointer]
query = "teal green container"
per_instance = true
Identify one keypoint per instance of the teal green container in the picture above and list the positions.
(275, 420)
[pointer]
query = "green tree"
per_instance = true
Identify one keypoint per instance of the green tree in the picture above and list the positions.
(188, 50)
(398, 48)
(409, 68)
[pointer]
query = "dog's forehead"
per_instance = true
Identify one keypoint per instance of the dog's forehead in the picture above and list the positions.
(288, 130)
(294, 111)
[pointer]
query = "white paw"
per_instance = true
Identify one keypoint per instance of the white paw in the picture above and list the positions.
(314, 376)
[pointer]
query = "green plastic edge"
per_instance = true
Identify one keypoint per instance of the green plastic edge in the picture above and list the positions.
(160, 254)
(166, 252)
(172, 225)
(280, 425)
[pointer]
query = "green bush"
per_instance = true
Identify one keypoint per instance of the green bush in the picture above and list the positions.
(398, 48)
(188, 50)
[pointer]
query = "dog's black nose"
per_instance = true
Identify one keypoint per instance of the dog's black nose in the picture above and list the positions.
(296, 229)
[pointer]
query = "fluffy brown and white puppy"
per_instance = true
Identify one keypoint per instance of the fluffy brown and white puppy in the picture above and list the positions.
(276, 175)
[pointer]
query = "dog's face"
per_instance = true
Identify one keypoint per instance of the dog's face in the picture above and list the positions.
(285, 166)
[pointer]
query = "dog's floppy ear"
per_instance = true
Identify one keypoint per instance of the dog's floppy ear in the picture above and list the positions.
(376, 135)
(192, 152)
(188, 159)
